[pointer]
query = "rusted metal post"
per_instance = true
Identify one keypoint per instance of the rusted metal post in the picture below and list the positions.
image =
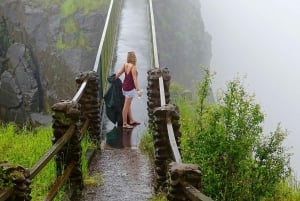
(90, 104)
(182, 174)
(153, 90)
(67, 113)
(18, 178)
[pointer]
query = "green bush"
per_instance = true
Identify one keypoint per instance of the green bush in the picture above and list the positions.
(226, 139)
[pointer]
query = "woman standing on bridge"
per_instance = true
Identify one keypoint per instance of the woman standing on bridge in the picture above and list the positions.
(130, 87)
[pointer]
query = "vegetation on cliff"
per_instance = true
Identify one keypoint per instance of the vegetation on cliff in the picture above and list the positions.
(182, 40)
(5, 40)
(226, 139)
(238, 161)
(69, 7)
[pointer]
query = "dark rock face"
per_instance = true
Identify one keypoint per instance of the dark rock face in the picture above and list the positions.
(18, 86)
(9, 91)
(183, 43)
(49, 49)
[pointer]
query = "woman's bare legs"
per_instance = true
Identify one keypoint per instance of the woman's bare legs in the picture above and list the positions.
(127, 111)
(130, 115)
(131, 119)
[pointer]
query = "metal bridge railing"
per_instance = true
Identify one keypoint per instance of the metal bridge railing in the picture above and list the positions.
(72, 119)
(184, 181)
(104, 59)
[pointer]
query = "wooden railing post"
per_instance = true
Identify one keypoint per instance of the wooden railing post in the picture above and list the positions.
(90, 104)
(174, 116)
(67, 113)
(18, 177)
(162, 149)
(153, 92)
(182, 173)
(163, 153)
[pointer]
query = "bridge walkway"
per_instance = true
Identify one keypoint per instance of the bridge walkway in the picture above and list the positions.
(125, 171)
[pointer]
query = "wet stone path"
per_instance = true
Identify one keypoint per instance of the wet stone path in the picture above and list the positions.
(126, 176)
(125, 172)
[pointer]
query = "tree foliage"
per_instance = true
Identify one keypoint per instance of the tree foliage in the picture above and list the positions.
(226, 139)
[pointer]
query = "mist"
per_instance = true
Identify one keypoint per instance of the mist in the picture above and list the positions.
(260, 40)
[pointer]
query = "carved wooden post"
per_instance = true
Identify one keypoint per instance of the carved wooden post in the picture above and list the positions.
(163, 153)
(74, 156)
(153, 90)
(162, 149)
(19, 177)
(175, 117)
(180, 174)
(67, 113)
(90, 104)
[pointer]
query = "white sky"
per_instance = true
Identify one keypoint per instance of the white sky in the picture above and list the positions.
(260, 39)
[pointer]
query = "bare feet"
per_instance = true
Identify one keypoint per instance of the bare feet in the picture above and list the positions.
(134, 123)
(127, 126)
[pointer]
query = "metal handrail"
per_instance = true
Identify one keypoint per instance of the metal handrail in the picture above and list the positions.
(97, 61)
(190, 191)
(104, 59)
(110, 25)
(153, 34)
(171, 135)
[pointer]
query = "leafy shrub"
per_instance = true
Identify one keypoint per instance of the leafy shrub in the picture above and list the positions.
(226, 139)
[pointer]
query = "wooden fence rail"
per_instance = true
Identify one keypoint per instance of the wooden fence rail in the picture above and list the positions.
(182, 180)
(71, 120)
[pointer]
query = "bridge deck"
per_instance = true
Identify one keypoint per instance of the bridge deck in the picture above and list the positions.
(125, 171)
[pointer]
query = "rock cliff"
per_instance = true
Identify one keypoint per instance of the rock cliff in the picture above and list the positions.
(183, 43)
(44, 44)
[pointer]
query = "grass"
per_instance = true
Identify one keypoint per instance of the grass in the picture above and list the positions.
(25, 148)
(88, 179)
(147, 146)
(159, 197)
(21, 146)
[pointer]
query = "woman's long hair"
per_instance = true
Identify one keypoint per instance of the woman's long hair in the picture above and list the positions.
(131, 58)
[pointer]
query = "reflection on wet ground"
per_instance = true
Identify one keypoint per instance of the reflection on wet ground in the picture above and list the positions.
(115, 136)
(119, 138)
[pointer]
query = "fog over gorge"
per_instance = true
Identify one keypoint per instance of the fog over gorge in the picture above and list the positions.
(260, 39)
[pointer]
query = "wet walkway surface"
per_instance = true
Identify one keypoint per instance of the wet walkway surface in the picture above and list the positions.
(125, 171)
